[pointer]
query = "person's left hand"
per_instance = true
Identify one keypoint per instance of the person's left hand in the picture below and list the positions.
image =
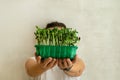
(66, 63)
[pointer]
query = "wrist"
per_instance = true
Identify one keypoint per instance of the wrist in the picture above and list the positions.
(67, 69)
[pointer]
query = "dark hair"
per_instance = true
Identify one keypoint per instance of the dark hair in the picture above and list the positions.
(55, 24)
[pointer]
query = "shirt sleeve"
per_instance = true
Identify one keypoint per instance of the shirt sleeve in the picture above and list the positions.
(35, 78)
(72, 78)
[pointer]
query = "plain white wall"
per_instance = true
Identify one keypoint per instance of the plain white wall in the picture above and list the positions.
(98, 23)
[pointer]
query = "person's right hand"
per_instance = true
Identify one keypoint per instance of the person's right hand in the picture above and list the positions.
(46, 63)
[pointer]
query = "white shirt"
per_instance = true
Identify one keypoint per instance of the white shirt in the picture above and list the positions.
(54, 74)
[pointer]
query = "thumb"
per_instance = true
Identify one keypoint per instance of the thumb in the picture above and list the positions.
(75, 58)
(38, 59)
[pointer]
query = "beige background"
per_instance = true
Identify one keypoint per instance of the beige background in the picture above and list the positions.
(98, 23)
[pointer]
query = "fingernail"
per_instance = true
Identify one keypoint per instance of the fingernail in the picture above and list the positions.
(50, 58)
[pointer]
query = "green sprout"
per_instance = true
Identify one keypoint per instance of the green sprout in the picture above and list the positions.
(63, 37)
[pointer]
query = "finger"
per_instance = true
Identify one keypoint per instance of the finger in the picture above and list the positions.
(69, 63)
(38, 59)
(60, 63)
(56, 62)
(64, 63)
(47, 61)
(51, 63)
(35, 55)
(75, 58)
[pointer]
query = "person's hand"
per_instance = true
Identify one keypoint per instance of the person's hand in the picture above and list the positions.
(46, 63)
(67, 63)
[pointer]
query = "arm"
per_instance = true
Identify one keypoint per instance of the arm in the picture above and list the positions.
(37, 67)
(77, 66)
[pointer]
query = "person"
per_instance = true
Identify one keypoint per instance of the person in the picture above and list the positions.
(54, 69)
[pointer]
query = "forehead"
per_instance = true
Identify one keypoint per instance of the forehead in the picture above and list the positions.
(59, 28)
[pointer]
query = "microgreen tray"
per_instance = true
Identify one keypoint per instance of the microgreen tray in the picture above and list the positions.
(46, 51)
